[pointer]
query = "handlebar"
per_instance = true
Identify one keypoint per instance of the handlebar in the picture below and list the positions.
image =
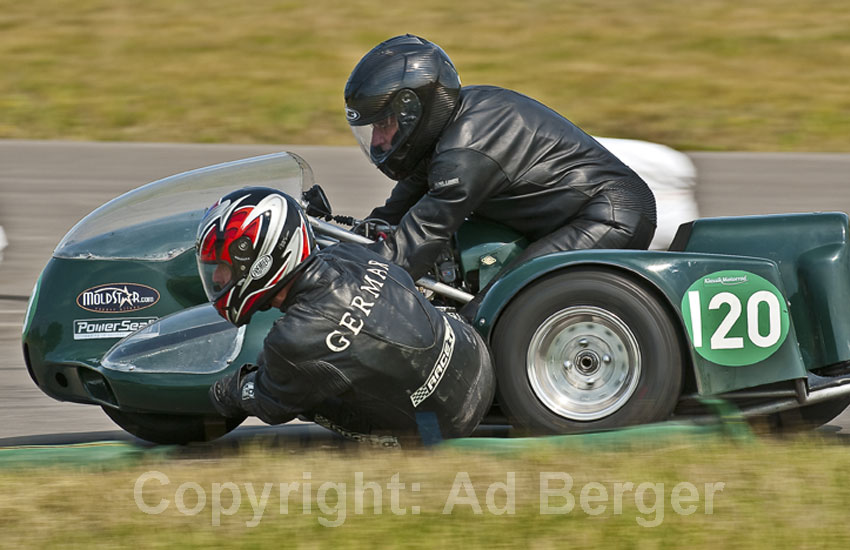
(334, 231)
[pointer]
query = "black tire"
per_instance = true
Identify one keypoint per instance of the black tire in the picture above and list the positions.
(173, 429)
(603, 331)
(809, 417)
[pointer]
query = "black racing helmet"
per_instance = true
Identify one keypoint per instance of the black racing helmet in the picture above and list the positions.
(398, 99)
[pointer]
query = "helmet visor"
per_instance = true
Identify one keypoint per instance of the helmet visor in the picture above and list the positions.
(382, 138)
(217, 278)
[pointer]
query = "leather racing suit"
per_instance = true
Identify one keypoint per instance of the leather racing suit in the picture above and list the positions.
(362, 352)
(510, 159)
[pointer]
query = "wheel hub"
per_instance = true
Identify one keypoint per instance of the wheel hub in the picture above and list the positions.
(583, 363)
(587, 362)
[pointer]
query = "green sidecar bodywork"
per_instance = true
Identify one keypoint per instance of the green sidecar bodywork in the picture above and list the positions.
(118, 318)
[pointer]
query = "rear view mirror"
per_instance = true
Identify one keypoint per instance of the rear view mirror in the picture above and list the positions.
(317, 203)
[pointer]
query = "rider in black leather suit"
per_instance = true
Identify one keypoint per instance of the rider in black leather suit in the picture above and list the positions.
(359, 346)
(358, 350)
(488, 152)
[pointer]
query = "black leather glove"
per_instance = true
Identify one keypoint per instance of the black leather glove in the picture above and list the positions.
(233, 395)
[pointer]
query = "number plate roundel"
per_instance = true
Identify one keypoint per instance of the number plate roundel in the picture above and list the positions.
(735, 318)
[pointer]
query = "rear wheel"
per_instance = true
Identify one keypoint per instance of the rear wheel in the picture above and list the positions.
(173, 429)
(586, 349)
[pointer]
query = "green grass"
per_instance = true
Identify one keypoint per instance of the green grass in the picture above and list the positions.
(715, 74)
(770, 494)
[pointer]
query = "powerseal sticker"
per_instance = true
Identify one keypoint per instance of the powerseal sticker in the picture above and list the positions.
(735, 318)
(117, 298)
(96, 329)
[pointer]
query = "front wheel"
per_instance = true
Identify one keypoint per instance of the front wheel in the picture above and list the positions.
(586, 349)
(173, 429)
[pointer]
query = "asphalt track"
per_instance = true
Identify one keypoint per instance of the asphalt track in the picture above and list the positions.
(46, 187)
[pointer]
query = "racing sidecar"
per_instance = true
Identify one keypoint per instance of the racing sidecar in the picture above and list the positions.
(752, 309)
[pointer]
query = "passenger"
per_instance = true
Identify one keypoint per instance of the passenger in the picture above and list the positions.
(359, 349)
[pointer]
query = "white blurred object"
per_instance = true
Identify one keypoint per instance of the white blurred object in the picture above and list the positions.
(3, 242)
(672, 177)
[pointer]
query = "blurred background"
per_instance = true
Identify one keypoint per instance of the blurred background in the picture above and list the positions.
(717, 75)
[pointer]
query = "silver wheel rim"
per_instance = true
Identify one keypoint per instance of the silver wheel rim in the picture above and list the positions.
(583, 363)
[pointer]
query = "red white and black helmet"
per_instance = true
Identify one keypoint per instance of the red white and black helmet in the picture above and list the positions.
(250, 244)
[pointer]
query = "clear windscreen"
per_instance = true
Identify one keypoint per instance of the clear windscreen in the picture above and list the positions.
(159, 221)
(196, 340)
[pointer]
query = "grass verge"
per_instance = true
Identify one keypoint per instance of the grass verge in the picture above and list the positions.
(717, 74)
(767, 494)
